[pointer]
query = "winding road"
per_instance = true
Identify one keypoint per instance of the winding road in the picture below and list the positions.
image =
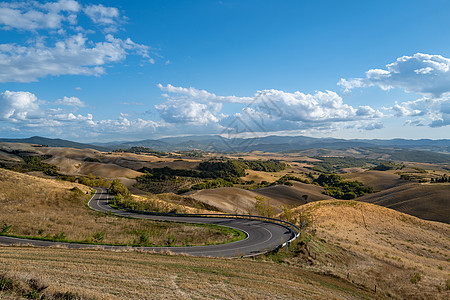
(262, 236)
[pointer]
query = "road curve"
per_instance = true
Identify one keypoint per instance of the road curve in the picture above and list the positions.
(262, 236)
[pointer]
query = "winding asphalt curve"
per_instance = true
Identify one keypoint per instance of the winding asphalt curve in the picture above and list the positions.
(262, 236)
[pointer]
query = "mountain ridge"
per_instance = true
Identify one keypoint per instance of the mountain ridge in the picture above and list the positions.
(216, 143)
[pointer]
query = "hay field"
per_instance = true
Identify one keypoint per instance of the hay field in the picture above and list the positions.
(430, 201)
(402, 255)
(379, 180)
(131, 275)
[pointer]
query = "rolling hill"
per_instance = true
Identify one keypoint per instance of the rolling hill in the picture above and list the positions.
(426, 201)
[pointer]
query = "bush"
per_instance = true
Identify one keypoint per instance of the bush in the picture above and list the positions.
(117, 188)
(263, 207)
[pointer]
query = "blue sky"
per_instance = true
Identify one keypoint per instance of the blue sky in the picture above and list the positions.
(97, 71)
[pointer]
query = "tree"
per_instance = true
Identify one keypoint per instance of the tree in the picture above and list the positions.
(117, 188)
(263, 207)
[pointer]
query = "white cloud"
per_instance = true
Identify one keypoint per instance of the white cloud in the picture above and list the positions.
(74, 55)
(189, 112)
(434, 110)
(202, 95)
(106, 16)
(72, 101)
(17, 105)
(57, 45)
(269, 110)
(425, 74)
(371, 126)
(319, 107)
(24, 112)
(32, 15)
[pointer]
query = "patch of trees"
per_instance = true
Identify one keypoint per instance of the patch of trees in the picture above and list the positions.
(91, 159)
(334, 164)
(166, 173)
(222, 173)
(265, 166)
(142, 150)
(229, 170)
(89, 180)
(212, 184)
(119, 190)
(443, 178)
(32, 163)
(337, 187)
(285, 179)
(385, 166)
(190, 153)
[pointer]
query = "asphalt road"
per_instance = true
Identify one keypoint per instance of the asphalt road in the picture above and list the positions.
(262, 236)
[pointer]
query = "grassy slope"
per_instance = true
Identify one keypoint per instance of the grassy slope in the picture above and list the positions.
(426, 201)
(42, 207)
(131, 275)
(379, 180)
(373, 245)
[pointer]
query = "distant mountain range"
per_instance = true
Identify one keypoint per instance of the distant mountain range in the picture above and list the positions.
(267, 144)
(54, 143)
(276, 144)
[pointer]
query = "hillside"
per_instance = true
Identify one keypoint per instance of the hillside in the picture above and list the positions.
(426, 201)
(235, 200)
(56, 210)
(53, 143)
(379, 180)
(403, 256)
(424, 150)
(133, 275)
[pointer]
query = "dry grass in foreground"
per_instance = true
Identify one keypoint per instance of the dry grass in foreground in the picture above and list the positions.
(132, 275)
(57, 210)
(404, 256)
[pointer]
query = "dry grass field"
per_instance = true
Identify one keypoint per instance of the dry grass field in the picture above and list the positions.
(48, 208)
(424, 200)
(235, 200)
(131, 275)
(379, 180)
(404, 256)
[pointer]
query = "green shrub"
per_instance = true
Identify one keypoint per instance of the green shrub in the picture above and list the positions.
(117, 188)
(416, 278)
(5, 228)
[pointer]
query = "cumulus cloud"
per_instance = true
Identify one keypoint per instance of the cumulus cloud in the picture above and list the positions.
(17, 105)
(190, 112)
(74, 56)
(425, 74)
(435, 110)
(24, 112)
(270, 110)
(319, 107)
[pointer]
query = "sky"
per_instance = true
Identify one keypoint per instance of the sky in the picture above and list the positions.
(122, 70)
